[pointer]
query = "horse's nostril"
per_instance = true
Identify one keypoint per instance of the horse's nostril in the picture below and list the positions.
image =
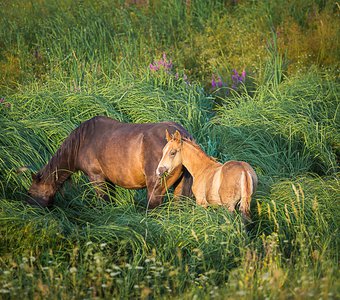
(160, 171)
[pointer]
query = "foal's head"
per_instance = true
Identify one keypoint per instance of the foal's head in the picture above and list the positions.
(172, 156)
(40, 192)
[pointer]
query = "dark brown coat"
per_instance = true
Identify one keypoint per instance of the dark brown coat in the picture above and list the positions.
(108, 150)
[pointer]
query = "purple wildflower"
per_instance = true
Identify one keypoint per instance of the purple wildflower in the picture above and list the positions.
(237, 78)
(169, 65)
(213, 82)
(185, 78)
(219, 82)
(243, 75)
(153, 68)
(165, 63)
(161, 64)
(2, 100)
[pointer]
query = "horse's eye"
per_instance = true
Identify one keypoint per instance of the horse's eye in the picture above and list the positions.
(173, 153)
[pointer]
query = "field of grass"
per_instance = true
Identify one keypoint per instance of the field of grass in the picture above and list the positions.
(63, 62)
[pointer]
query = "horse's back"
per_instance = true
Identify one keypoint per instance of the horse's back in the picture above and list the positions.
(115, 127)
(105, 134)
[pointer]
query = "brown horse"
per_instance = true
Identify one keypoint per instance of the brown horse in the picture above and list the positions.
(108, 150)
(213, 183)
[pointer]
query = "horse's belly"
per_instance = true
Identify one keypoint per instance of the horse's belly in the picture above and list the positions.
(127, 180)
(128, 174)
(122, 162)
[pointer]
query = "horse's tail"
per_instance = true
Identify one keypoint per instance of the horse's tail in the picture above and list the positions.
(247, 185)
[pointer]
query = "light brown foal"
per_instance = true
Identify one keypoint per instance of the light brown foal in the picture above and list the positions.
(213, 183)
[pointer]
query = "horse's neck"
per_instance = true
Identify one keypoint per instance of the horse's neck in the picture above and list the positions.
(57, 170)
(196, 160)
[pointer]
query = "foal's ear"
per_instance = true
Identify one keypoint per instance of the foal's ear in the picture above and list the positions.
(177, 136)
(167, 135)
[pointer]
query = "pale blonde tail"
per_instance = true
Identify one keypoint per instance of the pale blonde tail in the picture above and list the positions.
(246, 185)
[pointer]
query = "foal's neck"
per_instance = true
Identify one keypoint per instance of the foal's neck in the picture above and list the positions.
(196, 160)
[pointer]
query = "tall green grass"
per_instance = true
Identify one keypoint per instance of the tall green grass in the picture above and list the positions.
(65, 63)
(84, 247)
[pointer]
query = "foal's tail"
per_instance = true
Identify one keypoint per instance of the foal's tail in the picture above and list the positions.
(248, 183)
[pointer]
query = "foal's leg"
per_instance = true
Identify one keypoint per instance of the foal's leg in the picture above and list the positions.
(202, 202)
(231, 208)
(200, 195)
(244, 210)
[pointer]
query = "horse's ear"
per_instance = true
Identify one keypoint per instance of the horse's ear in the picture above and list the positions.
(35, 177)
(177, 136)
(167, 135)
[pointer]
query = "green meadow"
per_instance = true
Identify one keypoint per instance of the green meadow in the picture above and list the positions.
(256, 81)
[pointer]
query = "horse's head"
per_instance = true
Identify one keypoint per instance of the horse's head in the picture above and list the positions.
(40, 192)
(172, 156)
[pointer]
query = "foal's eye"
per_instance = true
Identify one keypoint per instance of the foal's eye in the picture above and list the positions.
(173, 153)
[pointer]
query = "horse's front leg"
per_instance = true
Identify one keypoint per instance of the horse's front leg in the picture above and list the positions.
(182, 186)
(156, 192)
(99, 184)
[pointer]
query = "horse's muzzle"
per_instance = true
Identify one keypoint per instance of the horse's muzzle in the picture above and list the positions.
(39, 201)
(161, 171)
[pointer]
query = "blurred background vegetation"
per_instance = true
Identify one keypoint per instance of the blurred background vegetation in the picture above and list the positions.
(44, 40)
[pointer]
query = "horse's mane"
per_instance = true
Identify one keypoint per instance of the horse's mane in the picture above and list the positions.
(195, 145)
(67, 152)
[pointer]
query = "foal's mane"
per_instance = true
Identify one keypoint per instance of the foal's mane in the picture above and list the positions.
(195, 145)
